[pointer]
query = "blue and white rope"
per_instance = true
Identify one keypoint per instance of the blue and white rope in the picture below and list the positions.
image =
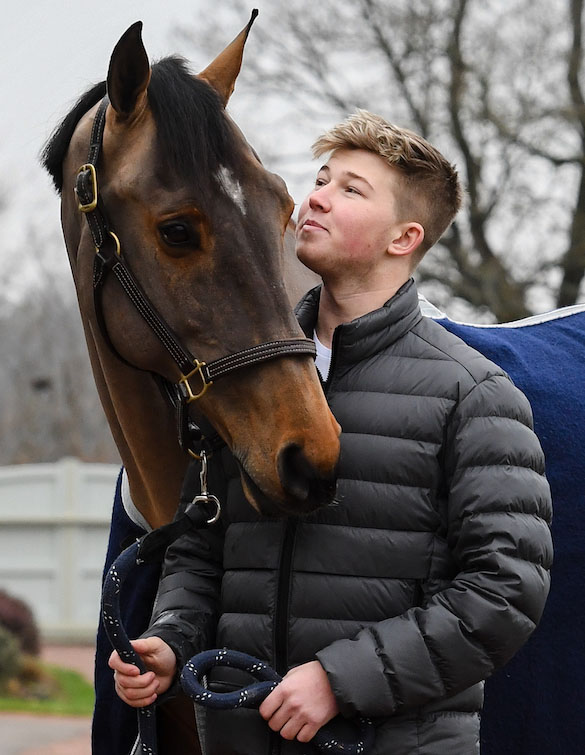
(252, 696)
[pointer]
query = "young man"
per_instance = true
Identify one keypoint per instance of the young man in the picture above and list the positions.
(432, 568)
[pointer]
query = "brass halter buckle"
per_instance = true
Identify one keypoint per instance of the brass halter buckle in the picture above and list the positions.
(92, 204)
(184, 380)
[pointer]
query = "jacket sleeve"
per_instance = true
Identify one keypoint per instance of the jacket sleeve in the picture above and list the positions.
(497, 527)
(186, 607)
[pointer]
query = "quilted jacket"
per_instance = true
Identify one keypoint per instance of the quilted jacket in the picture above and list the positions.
(429, 571)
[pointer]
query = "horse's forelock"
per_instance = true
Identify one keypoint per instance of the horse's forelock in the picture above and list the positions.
(193, 134)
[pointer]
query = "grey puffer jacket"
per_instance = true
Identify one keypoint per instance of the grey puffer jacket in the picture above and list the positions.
(431, 570)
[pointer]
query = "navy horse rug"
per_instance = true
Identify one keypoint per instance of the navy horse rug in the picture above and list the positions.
(536, 704)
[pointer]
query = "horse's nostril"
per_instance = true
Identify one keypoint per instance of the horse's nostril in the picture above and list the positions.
(301, 480)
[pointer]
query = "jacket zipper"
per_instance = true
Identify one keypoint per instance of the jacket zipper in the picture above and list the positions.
(284, 579)
(283, 598)
(282, 612)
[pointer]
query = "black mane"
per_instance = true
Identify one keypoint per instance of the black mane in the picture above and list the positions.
(55, 149)
(194, 137)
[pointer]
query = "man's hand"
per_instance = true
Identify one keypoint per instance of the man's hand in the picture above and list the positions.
(301, 704)
(139, 690)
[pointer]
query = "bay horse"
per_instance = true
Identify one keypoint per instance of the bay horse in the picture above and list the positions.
(174, 232)
(199, 222)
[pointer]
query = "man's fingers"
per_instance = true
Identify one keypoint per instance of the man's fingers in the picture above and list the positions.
(277, 721)
(133, 700)
(147, 645)
(138, 689)
(135, 682)
(116, 663)
(290, 729)
(271, 704)
(307, 733)
(151, 649)
(139, 693)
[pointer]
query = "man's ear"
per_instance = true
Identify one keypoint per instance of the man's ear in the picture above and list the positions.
(407, 238)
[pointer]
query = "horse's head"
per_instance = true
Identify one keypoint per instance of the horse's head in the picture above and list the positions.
(200, 223)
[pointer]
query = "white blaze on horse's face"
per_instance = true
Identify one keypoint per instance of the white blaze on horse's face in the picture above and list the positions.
(231, 186)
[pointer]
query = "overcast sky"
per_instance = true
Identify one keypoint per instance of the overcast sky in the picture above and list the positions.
(52, 51)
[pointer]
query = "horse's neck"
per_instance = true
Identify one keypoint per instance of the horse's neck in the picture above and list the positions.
(143, 428)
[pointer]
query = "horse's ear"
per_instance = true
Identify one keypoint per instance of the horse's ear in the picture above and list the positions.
(224, 70)
(129, 72)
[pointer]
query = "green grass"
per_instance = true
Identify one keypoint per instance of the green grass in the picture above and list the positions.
(74, 697)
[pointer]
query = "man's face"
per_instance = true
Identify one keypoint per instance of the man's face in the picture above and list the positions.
(347, 222)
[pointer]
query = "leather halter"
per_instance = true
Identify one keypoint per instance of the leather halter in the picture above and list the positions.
(108, 258)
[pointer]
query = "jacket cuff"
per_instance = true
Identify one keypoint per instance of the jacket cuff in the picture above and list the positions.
(348, 663)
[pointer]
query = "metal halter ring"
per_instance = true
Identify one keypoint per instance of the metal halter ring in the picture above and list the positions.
(204, 496)
(116, 242)
(209, 498)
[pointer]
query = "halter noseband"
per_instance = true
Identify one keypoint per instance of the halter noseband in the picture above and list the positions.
(109, 257)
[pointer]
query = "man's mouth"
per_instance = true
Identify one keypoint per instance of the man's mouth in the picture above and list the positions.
(313, 224)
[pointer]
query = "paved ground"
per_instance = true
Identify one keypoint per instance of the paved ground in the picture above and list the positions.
(23, 734)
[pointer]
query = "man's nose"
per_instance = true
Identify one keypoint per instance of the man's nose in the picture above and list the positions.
(319, 199)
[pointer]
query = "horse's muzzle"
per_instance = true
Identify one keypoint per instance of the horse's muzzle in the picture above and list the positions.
(302, 481)
(303, 488)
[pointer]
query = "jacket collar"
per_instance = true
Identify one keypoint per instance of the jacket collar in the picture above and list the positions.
(371, 333)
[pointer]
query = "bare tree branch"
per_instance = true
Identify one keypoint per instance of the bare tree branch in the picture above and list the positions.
(508, 109)
(574, 258)
(371, 15)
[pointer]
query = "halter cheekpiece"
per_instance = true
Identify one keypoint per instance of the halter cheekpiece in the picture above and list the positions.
(109, 258)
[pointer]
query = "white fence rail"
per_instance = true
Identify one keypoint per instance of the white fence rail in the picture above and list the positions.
(54, 525)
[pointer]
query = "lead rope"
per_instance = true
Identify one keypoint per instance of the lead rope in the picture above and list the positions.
(203, 511)
(359, 741)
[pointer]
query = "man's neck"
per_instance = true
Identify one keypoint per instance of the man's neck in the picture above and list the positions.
(339, 304)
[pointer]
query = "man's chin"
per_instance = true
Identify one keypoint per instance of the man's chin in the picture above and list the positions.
(312, 261)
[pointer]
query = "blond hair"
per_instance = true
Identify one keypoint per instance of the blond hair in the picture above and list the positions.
(430, 192)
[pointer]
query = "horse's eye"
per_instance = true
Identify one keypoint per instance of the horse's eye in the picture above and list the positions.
(177, 233)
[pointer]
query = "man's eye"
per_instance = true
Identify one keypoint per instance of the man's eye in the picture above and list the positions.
(179, 234)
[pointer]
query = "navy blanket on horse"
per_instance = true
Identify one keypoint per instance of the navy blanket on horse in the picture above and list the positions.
(535, 705)
(115, 723)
